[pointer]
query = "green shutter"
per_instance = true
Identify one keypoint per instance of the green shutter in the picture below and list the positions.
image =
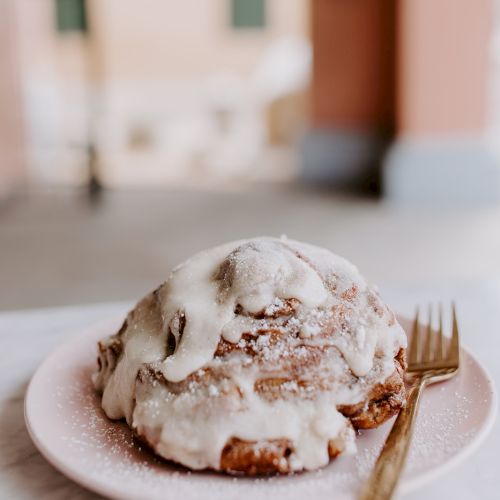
(70, 15)
(248, 13)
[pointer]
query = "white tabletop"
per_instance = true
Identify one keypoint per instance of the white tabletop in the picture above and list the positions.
(28, 336)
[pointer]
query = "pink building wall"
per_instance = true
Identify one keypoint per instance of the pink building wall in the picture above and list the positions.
(353, 71)
(12, 172)
(443, 66)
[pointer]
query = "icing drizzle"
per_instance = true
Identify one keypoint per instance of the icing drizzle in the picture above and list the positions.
(209, 287)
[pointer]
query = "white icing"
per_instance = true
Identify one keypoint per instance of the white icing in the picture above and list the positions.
(204, 293)
(262, 271)
(143, 342)
(309, 424)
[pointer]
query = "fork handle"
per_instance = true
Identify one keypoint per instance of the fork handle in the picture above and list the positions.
(387, 470)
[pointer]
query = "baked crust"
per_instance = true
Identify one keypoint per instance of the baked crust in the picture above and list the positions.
(384, 401)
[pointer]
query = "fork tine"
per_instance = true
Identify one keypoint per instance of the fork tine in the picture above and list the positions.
(439, 355)
(453, 351)
(413, 357)
(427, 352)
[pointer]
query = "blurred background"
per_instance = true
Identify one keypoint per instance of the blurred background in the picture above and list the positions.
(133, 134)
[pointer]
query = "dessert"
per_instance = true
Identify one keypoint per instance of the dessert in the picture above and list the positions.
(259, 356)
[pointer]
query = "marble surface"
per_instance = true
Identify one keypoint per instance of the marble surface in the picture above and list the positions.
(28, 336)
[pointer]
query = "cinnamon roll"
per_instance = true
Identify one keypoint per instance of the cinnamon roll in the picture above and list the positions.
(259, 356)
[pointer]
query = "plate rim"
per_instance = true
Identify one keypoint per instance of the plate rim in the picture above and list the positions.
(409, 485)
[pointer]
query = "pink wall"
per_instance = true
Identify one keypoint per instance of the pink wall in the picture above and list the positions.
(12, 171)
(436, 52)
(443, 66)
(353, 71)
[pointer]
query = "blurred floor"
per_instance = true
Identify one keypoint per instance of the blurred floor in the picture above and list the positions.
(57, 249)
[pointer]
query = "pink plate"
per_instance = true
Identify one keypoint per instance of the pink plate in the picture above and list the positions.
(65, 421)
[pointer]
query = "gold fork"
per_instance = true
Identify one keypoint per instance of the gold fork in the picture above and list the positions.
(428, 363)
